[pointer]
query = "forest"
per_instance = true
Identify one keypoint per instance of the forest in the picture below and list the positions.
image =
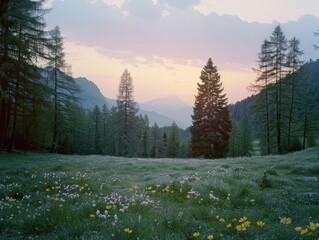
(40, 107)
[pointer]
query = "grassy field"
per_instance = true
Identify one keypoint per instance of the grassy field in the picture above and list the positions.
(45, 196)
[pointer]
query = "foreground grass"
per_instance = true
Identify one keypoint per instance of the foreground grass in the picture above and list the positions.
(46, 196)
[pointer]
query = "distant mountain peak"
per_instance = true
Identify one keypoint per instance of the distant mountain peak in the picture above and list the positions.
(172, 102)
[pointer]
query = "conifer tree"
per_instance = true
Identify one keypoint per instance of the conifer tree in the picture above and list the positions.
(64, 89)
(22, 41)
(211, 121)
(278, 44)
(126, 125)
(293, 64)
(173, 141)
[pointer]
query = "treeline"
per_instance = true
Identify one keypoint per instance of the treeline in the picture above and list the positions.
(283, 116)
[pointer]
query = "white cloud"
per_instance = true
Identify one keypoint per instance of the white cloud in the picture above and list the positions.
(48, 3)
(165, 13)
(116, 3)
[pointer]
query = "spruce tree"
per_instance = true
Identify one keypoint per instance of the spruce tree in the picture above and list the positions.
(127, 110)
(211, 121)
(173, 141)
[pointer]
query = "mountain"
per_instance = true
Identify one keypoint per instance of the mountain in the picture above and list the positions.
(171, 106)
(90, 95)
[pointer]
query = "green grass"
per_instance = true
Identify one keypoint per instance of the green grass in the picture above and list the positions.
(45, 196)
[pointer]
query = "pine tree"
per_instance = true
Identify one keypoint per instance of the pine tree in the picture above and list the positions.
(22, 37)
(126, 125)
(262, 106)
(278, 44)
(173, 141)
(211, 121)
(64, 89)
(156, 141)
(293, 64)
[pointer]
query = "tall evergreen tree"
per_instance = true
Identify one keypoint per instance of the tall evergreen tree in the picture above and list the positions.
(155, 141)
(22, 40)
(173, 141)
(293, 64)
(262, 106)
(64, 89)
(211, 122)
(126, 125)
(278, 56)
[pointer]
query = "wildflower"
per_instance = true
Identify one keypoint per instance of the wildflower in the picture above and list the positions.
(298, 229)
(240, 228)
(229, 225)
(158, 186)
(108, 206)
(149, 188)
(304, 231)
(312, 226)
(128, 231)
(285, 221)
(260, 224)
(153, 191)
(18, 207)
(56, 199)
(221, 219)
(92, 215)
(47, 189)
(252, 201)
(196, 234)
(133, 204)
(210, 237)
(243, 219)
(188, 196)
(60, 205)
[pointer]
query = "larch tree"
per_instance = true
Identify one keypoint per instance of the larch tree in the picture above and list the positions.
(22, 43)
(278, 45)
(63, 87)
(293, 64)
(262, 87)
(127, 110)
(211, 121)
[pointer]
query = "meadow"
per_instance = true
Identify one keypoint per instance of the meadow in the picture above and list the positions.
(47, 196)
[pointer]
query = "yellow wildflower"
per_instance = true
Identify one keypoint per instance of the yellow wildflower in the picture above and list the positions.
(60, 205)
(298, 229)
(196, 234)
(153, 191)
(108, 206)
(92, 216)
(158, 186)
(312, 226)
(304, 231)
(221, 219)
(133, 204)
(188, 196)
(128, 231)
(210, 237)
(229, 225)
(252, 201)
(243, 219)
(56, 199)
(47, 189)
(260, 224)
(285, 221)
(135, 187)
(149, 188)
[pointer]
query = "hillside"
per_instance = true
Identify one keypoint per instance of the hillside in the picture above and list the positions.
(161, 112)
(47, 196)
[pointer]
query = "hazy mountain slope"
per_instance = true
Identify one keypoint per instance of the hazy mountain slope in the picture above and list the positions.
(170, 106)
(91, 95)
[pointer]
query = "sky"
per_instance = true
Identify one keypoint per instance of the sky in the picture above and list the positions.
(164, 44)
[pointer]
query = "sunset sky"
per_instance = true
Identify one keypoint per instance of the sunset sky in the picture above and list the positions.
(164, 44)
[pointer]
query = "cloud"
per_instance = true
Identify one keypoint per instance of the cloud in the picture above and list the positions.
(156, 29)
